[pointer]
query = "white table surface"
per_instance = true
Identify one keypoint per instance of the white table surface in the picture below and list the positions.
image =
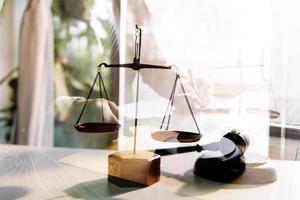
(58, 173)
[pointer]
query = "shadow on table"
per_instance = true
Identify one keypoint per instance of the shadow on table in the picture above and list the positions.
(97, 188)
(12, 193)
(195, 185)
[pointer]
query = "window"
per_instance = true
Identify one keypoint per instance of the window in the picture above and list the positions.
(85, 36)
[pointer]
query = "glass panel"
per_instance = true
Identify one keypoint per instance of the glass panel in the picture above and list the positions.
(219, 54)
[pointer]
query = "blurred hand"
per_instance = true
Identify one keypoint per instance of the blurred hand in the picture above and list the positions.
(198, 93)
(181, 106)
(69, 108)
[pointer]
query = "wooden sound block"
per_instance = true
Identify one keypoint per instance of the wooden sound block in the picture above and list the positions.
(128, 169)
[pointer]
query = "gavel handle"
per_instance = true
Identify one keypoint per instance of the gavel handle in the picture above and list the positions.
(178, 150)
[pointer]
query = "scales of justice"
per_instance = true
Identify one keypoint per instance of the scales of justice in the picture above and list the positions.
(136, 167)
(142, 168)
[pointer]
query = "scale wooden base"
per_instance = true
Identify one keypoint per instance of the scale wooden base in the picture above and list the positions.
(128, 169)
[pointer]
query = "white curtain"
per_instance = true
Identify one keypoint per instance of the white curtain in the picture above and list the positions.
(285, 48)
(35, 87)
(1, 3)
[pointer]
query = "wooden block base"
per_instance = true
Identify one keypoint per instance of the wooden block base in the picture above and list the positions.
(128, 169)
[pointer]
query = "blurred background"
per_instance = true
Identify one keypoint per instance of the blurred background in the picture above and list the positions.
(238, 60)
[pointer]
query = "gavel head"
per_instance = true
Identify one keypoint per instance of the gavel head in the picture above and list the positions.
(241, 140)
(226, 167)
